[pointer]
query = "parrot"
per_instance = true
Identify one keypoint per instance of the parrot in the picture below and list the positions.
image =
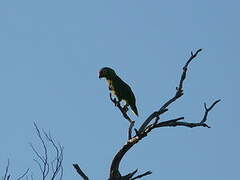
(119, 88)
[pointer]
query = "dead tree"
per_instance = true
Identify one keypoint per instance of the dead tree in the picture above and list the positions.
(152, 122)
(7, 175)
(50, 166)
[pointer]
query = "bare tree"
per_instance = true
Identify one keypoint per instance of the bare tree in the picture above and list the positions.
(7, 175)
(49, 168)
(151, 122)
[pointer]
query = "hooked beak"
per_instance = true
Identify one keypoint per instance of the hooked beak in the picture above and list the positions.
(100, 76)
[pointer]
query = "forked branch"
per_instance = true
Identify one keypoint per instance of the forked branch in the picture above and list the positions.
(124, 113)
(178, 94)
(7, 175)
(50, 169)
(147, 126)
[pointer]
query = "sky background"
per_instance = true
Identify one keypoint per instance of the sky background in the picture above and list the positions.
(50, 55)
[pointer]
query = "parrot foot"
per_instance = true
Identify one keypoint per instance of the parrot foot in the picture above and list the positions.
(114, 100)
(125, 107)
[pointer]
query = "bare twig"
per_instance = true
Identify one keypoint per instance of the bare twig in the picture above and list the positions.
(80, 172)
(6, 175)
(125, 115)
(130, 129)
(141, 175)
(178, 94)
(130, 175)
(43, 160)
(24, 174)
(122, 109)
(59, 156)
(208, 109)
(44, 168)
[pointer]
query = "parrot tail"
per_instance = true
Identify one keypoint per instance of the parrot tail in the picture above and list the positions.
(134, 109)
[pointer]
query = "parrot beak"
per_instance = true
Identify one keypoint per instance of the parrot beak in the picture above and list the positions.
(100, 76)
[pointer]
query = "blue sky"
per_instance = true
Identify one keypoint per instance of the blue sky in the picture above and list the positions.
(51, 52)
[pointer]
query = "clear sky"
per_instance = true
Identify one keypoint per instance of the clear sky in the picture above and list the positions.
(50, 55)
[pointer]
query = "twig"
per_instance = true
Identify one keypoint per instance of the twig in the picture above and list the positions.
(130, 129)
(24, 174)
(59, 156)
(43, 160)
(80, 172)
(123, 110)
(6, 175)
(130, 175)
(175, 122)
(45, 165)
(208, 109)
(124, 113)
(178, 94)
(141, 175)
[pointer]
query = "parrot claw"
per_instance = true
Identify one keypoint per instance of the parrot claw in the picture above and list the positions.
(125, 108)
(115, 101)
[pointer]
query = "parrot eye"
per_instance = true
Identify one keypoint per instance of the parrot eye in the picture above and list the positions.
(103, 72)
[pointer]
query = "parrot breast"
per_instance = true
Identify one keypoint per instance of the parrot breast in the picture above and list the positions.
(111, 87)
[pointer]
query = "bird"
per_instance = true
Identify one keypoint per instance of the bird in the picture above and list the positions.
(119, 88)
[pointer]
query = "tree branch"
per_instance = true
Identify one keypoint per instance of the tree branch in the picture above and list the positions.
(141, 175)
(59, 156)
(208, 109)
(7, 176)
(43, 160)
(178, 94)
(80, 172)
(24, 174)
(124, 113)
(146, 128)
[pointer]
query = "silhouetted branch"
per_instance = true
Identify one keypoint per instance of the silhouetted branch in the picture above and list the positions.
(123, 110)
(141, 175)
(43, 160)
(56, 164)
(7, 175)
(146, 127)
(208, 109)
(24, 174)
(80, 172)
(177, 95)
(130, 175)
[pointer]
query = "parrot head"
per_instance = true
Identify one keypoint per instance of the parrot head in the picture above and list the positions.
(107, 73)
